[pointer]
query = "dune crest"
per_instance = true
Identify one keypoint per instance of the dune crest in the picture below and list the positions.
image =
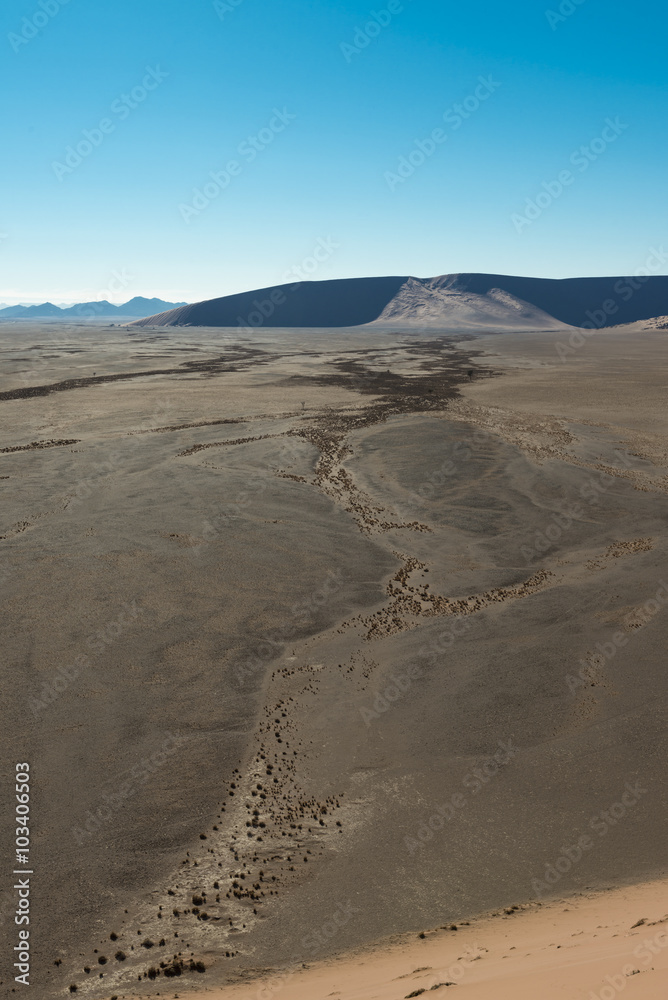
(449, 302)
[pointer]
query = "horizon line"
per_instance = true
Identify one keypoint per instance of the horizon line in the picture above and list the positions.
(70, 302)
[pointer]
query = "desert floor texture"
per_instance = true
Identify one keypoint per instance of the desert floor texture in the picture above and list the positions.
(313, 638)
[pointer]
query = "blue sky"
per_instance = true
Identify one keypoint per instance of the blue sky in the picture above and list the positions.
(325, 115)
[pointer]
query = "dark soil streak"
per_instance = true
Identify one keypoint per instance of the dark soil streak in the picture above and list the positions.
(224, 363)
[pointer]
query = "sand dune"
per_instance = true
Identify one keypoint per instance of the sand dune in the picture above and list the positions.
(448, 302)
(345, 302)
(434, 303)
(593, 946)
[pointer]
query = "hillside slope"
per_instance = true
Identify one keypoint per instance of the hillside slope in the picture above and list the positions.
(447, 302)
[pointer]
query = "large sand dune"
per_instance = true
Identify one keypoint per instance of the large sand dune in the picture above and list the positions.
(370, 645)
(594, 946)
(439, 302)
(449, 302)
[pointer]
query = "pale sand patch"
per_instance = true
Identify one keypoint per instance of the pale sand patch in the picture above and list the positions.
(581, 947)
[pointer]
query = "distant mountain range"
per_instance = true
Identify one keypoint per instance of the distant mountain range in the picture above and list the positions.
(139, 306)
(449, 302)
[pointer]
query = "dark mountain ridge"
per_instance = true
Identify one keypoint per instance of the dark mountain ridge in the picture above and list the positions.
(138, 306)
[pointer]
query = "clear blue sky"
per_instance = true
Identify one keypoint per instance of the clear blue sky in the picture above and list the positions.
(360, 102)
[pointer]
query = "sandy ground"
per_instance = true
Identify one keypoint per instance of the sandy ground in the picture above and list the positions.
(589, 946)
(312, 639)
(572, 375)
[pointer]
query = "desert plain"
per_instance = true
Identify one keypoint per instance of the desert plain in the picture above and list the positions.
(320, 640)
